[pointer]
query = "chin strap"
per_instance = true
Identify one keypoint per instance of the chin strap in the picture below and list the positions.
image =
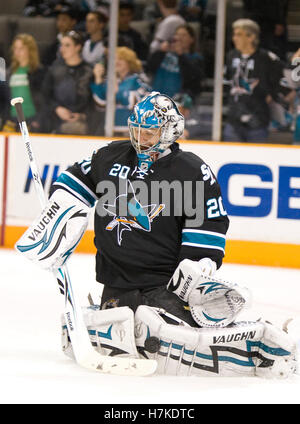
(146, 160)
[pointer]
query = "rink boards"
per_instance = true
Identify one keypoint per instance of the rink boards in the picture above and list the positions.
(260, 188)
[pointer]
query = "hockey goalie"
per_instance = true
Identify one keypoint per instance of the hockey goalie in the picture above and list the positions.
(157, 255)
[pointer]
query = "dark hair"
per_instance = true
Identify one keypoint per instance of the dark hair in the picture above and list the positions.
(192, 34)
(127, 5)
(170, 4)
(76, 37)
(100, 16)
(68, 10)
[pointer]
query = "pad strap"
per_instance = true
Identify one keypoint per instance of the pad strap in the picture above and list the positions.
(111, 331)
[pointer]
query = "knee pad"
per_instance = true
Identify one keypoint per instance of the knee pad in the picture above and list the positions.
(111, 331)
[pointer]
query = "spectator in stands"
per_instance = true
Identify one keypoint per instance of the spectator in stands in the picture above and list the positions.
(66, 20)
(292, 74)
(168, 25)
(253, 75)
(3, 103)
(37, 8)
(48, 8)
(129, 37)
(192, 10)
(94, 50)
(24, 79)
(129, 89)
(176, 67)
(281, 108)
(197, 122)
(90, 5)
(271, 17)
(151, 13)
(66, 88)
(296, 80)
(3, 89)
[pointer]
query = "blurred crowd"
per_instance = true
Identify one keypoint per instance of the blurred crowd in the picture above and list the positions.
(65, 87)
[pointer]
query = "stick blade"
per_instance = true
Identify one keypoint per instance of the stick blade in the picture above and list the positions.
(119, 366)
(131, 367)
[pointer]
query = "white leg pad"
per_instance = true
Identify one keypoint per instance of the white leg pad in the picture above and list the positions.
(111, 331)
(245, 348)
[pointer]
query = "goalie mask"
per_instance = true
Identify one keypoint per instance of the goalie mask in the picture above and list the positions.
(154, 125)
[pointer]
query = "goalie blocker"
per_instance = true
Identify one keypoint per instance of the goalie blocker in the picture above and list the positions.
(54, 235)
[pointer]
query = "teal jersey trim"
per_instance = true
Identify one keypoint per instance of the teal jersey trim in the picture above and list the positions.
(203, 239)
(68, 181)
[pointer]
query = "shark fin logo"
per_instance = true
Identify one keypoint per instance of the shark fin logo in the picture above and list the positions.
(138, 216)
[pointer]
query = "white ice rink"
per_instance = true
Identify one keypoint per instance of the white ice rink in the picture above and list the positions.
(34, 370)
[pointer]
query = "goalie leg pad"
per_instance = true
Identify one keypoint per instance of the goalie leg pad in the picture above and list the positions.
(213, 301)
(111, 331)
(54, 235)
(277, 341)
(244, 349)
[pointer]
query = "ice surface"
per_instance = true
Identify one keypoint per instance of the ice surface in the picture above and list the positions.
(34, 370)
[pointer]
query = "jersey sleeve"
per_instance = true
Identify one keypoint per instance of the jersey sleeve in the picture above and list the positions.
(209, 238)
(78, 181)
(99, 93)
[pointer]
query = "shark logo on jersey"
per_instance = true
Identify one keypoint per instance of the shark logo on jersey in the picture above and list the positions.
(138, 216)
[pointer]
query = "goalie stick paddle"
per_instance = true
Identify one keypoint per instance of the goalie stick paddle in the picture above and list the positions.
(85, 354)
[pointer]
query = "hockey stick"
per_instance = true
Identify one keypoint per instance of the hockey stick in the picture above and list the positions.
(84, 353)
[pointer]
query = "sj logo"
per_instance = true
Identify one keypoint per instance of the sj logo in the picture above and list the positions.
(128, 213)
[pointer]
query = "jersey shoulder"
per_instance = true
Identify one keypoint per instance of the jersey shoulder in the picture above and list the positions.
(192, 167)
(112, 149)
(118, 145)
(189, 159)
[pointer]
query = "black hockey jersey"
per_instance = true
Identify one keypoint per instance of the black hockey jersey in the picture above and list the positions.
(251, 80)
(146, 221)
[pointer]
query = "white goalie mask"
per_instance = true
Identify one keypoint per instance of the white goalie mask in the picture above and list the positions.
(155, 124)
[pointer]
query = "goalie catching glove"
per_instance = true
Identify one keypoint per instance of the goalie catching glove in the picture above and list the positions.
(54, 235)
(213, 302)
